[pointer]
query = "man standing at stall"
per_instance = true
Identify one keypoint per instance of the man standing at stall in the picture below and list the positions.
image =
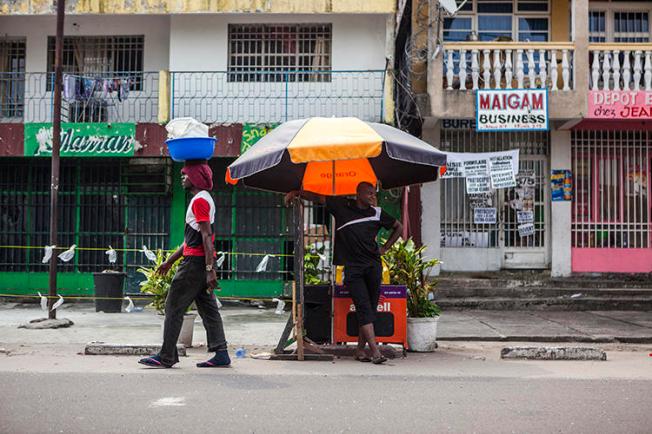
(357, 223)
(195, 278)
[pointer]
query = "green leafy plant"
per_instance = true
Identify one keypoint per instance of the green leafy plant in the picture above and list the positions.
(408, 267)
(155, 284)
(312, 271)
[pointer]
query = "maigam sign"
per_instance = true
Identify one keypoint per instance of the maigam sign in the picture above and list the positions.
(512, 109)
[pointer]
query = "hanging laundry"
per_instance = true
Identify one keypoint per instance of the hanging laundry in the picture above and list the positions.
(89, 88)
(123, 92)
(69, 87)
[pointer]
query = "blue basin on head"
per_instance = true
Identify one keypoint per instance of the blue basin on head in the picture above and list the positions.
(191, 148)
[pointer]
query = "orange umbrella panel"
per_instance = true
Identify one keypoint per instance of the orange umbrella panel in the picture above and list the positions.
(318, 177)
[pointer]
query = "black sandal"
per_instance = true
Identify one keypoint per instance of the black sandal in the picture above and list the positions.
(379, 360)
(363, 359)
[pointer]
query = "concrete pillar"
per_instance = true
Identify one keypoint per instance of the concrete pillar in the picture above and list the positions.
(580, 35)
(431, 202)
(560, 213)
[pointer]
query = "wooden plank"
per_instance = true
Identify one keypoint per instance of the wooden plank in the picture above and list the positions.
(306, 357)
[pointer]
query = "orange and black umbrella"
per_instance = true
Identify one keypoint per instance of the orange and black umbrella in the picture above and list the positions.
(331, 156)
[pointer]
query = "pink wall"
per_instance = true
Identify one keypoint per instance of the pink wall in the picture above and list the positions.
(611, 260)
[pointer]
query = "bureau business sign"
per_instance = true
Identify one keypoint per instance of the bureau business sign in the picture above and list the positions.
(82, 139)
(511, 110)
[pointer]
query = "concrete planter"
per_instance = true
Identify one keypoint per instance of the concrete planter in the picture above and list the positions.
(422, 334)
(187, 329)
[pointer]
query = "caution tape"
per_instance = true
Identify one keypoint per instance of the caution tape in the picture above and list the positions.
(102, 249)
(76, 297)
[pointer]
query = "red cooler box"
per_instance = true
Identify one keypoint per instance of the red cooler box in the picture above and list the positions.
(391, 317)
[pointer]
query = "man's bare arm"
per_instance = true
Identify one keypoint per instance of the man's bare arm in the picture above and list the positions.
(396, 232)
(209, 255)
(307, 195)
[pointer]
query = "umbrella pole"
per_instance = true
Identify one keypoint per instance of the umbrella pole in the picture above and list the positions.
(298, 274)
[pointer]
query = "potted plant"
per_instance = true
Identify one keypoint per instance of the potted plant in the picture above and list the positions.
(408, 267)
(157, 285)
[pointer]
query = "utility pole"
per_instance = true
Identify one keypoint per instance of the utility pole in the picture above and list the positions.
(56, 145)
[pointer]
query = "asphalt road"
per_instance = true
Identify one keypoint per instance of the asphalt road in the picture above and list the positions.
(189, 400)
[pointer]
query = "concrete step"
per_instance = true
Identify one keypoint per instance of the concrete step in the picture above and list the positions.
(444, 291)
(501, 281)
(563, 303)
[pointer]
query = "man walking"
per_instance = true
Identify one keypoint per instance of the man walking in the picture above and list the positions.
(195, 278)
(357, 223)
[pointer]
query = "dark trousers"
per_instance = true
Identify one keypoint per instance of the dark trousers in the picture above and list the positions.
(188, 285)
(363, 282)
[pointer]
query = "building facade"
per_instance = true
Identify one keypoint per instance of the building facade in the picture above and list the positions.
(594, 61)
(128, 69)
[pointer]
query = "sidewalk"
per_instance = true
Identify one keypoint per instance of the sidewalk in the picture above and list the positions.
(253, 327)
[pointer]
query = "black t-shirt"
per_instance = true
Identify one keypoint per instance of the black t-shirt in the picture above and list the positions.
(356, 230)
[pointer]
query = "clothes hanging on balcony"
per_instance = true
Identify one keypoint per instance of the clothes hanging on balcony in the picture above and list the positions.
(79, 88)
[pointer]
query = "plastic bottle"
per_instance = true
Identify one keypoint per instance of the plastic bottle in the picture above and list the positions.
(240, 353)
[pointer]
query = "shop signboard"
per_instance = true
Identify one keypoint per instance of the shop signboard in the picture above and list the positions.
(620, 104)
(511, 110)
(82, 139)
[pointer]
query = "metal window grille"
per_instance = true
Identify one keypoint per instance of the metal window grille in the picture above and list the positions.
(457, 223)
(101, 56)
(611, 204)
(631, 27)
(597, 26)
(117, 202)
(12, 77)
(267, 52)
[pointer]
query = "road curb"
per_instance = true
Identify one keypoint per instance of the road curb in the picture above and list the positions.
(108, 349)
(553, 353)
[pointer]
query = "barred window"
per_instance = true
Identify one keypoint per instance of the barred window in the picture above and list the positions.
(101, 56)
(12, 77)
(279, 52)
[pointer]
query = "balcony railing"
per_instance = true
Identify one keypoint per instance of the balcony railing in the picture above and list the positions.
(27, 97)
(626, 66)
(277, 96)
(257, 97)
(508, 65)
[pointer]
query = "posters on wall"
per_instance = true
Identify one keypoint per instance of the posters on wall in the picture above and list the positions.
(483, 170)
(561, 185)
(82, 139)
(484, 216)
(481, 200)
(478, 184)
(511, 110)
(523, 194)
(526, 230)
(525, 216)
(463, 164)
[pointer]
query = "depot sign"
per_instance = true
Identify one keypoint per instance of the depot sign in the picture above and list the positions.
(620, 104)
(512, 110)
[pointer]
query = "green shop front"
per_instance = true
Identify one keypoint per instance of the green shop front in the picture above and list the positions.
(116, 192)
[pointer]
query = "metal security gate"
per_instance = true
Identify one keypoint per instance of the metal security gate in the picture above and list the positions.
(611, 206)
(123, 203)
(504, 243)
